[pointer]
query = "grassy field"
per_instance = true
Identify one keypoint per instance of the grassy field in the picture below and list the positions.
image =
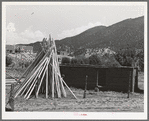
(102, 101)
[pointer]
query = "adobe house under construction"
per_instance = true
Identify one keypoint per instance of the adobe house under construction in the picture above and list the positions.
(107, 78)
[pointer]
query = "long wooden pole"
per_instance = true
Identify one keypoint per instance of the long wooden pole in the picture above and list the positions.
(40, 61)
(31, 80)
(69, 88)
(35, 83)
(28, 85)
(22, 86)
(61, 84)
(41, 80)
(57, 68)
(58, 71)
(38, 76)
(57, 80)
(32, 83)
(47, 83)
(33, 71)
(53, 76)
(31, 65)
(11, 99)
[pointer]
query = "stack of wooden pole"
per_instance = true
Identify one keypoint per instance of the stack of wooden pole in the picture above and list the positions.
(43, 75)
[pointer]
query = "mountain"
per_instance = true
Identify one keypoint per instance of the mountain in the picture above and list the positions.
(124, 34)
(128, 33)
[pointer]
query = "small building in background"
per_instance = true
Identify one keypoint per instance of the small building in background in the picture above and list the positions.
(27, 49)
(24, 49)
(10, 49)
(63, 53)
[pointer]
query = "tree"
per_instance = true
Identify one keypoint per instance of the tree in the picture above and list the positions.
(16, 50)
(65, 60)
(94, 60)
(73, 61)
(8, 61)
(80, 61)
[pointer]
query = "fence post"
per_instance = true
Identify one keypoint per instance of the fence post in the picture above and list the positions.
(97, 79)
(129, 83)
(85, 87)
(136, 80)
(96, 88)
(11, 99)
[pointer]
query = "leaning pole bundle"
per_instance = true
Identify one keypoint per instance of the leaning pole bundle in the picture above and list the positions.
(43, 75)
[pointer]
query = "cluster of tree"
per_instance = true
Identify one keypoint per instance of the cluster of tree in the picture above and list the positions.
(131, 57)
(106, 60)
(125, 57)
(24, 64)
(18, 50)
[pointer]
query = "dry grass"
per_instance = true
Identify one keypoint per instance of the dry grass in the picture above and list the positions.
(102, 101)
(108, 101)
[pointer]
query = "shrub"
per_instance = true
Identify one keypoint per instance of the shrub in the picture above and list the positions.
(94, 59)
(65, 60)
(80, 61)
(8, 61)
(27, 64)
(85, 60)
(73, 61)
(126, 57)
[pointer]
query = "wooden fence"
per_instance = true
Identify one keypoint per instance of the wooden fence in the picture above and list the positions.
(116, 79)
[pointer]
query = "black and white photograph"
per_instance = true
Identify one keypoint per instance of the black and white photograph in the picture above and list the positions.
(74, 60)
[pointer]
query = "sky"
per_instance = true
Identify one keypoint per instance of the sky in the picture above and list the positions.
(28, 23)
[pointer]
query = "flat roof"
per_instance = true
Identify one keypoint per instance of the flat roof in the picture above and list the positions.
(95, 66)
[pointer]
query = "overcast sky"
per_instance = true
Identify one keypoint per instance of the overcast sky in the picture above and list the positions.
(31, 23)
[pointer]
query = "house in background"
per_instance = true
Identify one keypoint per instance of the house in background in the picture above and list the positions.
(10, 49)
(27, 49)
(63, 53)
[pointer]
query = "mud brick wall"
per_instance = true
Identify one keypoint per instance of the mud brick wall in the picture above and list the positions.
(116, 79)
(75, 76)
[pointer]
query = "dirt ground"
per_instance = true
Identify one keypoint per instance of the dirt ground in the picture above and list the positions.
(102, 101)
